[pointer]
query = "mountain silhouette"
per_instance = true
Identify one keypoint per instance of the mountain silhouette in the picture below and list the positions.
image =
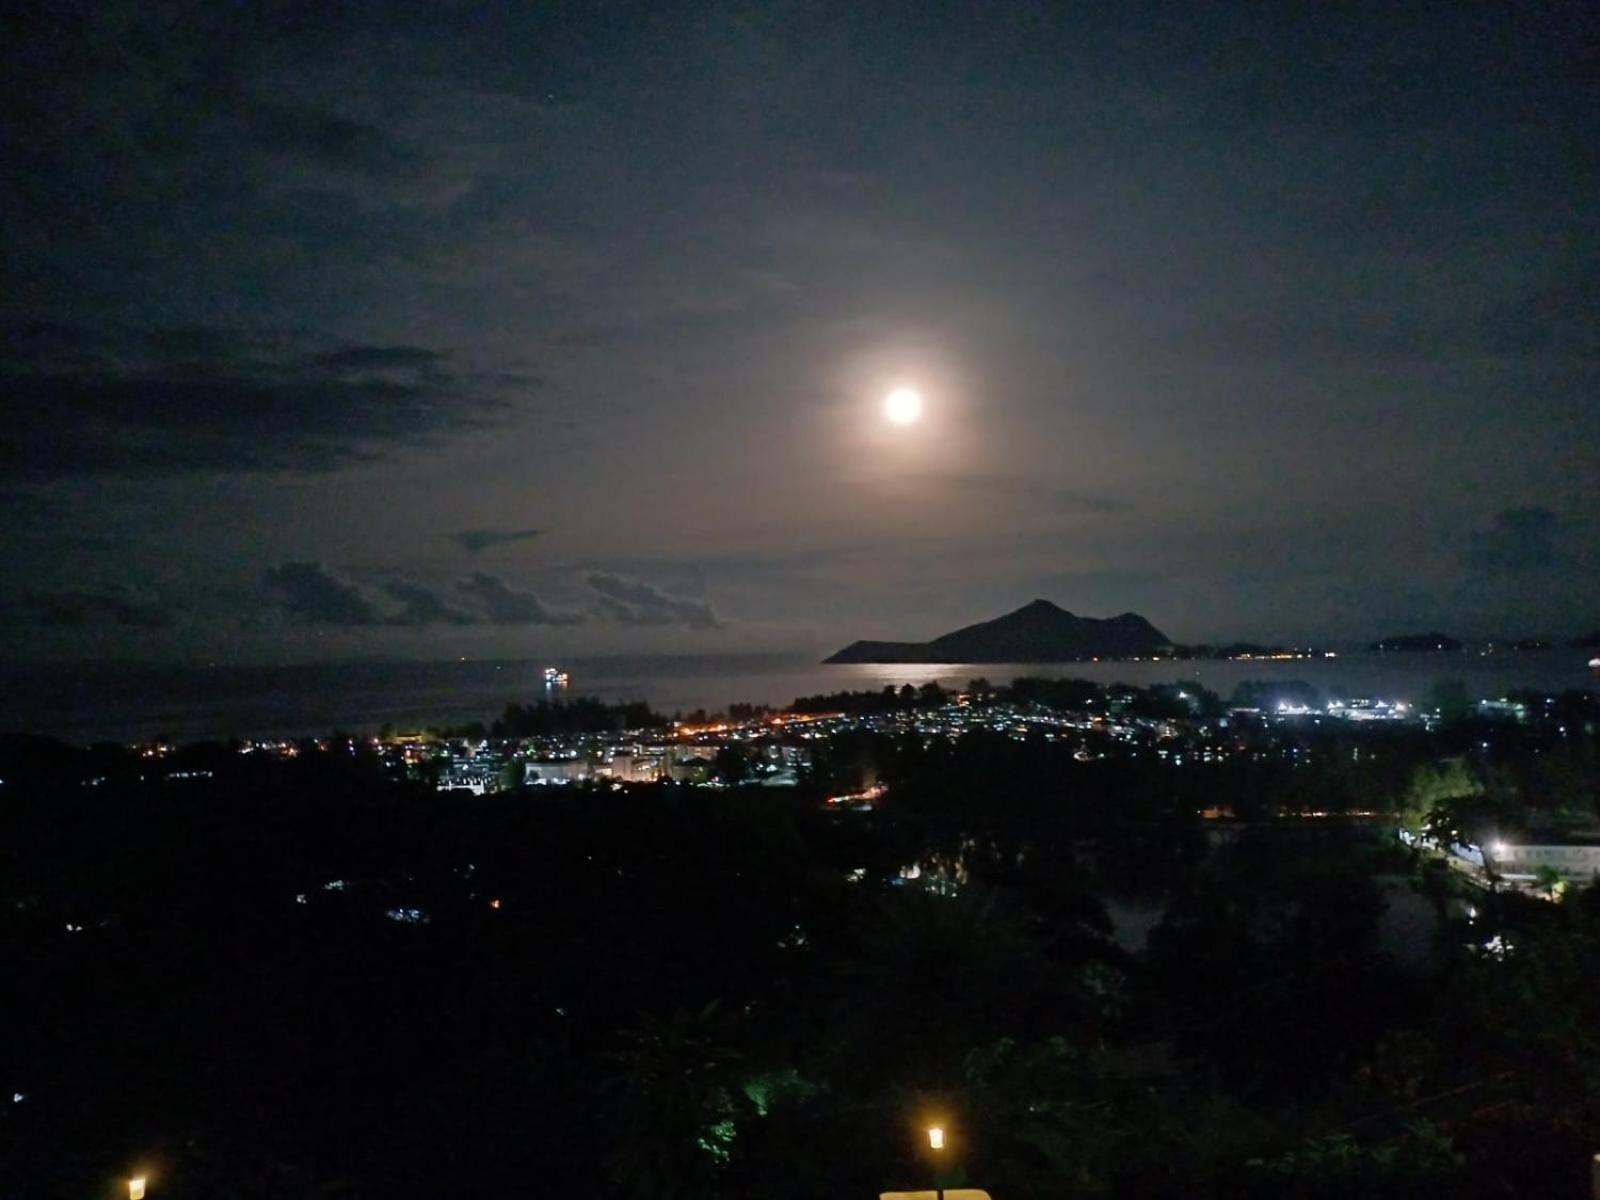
(1036, 632)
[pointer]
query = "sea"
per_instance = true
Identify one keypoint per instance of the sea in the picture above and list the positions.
(107, 702)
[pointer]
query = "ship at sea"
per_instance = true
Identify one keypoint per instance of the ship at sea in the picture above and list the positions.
(555, 678)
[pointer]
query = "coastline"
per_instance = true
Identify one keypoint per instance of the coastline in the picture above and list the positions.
(84, 705)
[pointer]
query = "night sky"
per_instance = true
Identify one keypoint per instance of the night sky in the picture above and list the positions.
(433, 330)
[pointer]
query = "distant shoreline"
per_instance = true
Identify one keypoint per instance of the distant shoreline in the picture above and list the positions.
(194, 703)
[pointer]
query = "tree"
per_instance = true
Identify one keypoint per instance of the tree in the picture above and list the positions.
(1549, 881)
(672, 1104)
(937, 974)
(1422, 1161)
(1476, 818)
(1432, 784)
(1449, 701)
(730, 766)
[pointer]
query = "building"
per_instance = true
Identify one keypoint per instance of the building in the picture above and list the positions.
(633, 766)
(548, 771)
(477, 783)
(1575, 857)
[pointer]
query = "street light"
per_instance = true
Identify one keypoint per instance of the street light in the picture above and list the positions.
(936, 1144)
(136, 1188)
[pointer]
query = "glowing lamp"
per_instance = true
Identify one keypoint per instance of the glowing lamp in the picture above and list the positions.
(936, 1138)
(136, 1188)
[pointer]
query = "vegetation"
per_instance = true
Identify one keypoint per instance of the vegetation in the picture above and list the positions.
(548, 718)
(257, 975)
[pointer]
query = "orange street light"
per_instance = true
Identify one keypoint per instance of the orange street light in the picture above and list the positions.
(936, 1144)
(136, 1188)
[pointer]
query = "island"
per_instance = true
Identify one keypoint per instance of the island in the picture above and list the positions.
(1036, 632)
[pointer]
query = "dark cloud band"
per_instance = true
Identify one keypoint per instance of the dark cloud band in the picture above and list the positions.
(214, 400)
(87, 606)
(475, 541)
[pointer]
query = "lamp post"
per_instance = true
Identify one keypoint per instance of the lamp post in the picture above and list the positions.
(936, 1144)
(136, 1188)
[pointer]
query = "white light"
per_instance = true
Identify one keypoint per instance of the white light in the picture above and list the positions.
(903, 405)
(936, 1138)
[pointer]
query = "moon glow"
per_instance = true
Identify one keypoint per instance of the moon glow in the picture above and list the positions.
(903, 405)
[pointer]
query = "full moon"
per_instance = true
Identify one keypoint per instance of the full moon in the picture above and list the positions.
(903, 405)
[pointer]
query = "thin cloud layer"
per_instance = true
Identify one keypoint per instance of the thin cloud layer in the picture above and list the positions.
(90, 606)
(633, 602)
(475, 541)
(506, 605)
(309, 593)
(422, 606)
(1521, 541)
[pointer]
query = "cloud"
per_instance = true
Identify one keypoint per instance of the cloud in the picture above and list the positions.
(174, 401)
(1040, 495)
(1521, 541)
(326, 139)
(1556, 316)
(632, 602)
(422, 606)
(381, 358)
(308, 592)
(506, 605)
(83, 606)
(193, 95)
(475, 541)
